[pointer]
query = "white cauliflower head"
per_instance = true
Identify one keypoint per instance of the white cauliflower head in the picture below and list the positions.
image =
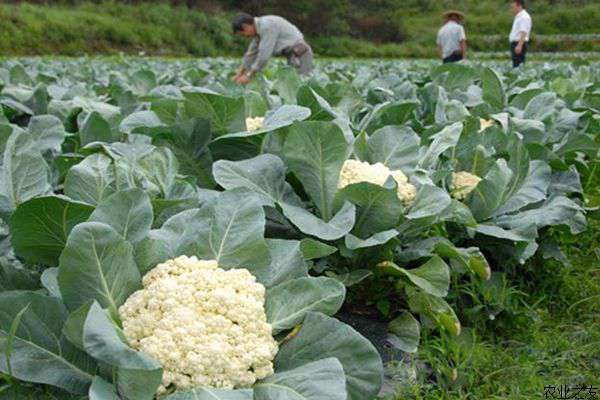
(462, 184)
(485, 123)
(355, 171)
(254, 124)
(205, 325)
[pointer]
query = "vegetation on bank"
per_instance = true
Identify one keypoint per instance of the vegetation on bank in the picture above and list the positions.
(369, 29)
(546, 334)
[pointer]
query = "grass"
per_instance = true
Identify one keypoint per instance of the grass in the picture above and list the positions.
(545, 330)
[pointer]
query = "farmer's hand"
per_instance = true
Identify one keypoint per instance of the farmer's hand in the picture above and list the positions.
(242, 79)
(519, 49)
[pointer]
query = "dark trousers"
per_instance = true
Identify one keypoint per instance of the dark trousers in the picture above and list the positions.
(454, 57)
(518, 59)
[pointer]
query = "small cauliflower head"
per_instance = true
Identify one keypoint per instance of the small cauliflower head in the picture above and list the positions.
(206, 326)
(254, 124)
(462, 184)
(485, 123)
(355, 171)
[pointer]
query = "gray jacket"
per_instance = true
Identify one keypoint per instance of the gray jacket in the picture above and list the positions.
(276, 36)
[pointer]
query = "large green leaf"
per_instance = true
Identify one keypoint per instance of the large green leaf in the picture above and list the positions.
(577, 142)
(442, 141)
(322, 337)
(97, 264)
(178, 236)
(226, 114)
(518, 164)
(138, 375)
(488, 194)
(235, 237)
(540, 107)
(558, 210)
(406, 331)
(92, 180)
(49, 281)
(315, 152)
(39, 353)
(312, 249)
(430, 201)
(263, 174)
(102, 390)
(320, 109)
(140, 121)
(319, 380)
(288, 303)
(493, 90)
(159, 169)
(39, 227)
(396, 147)
(73, 327)
(189, 141)
(454, 75)
(128, 212)
(532, 190)
(24, 173)
(379, 238)
(385, 114)
(337, 227)
(505, 234)
(287, 263)
(469, 259)
(275, 119)
(95, 129)
(435, 308)
(433, 277)
(47, 132)
(378, 208)
(14, 277)
(286, 84)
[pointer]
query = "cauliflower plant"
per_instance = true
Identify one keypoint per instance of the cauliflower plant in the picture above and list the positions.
(254, 124)
(355, 171)
(205, 325)
(462, 184)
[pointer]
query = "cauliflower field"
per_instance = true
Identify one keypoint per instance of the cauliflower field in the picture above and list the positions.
(169, 235)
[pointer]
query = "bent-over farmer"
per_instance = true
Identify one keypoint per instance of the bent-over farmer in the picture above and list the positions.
(271, 36)
(519, 34)
(451, 38)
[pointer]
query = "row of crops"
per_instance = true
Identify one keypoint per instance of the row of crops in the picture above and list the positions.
(397, 176)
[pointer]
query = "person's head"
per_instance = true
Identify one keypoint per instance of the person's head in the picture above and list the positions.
(243, 25)
(455, 16)
(517, 6)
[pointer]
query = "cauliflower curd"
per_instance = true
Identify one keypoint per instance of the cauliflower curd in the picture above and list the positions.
(205, 325)
(355, 171)
(485, 123)
(254, 124)
(463, 183)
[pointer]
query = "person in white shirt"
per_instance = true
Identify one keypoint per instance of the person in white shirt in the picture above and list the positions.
(519, 34)
(451, 38)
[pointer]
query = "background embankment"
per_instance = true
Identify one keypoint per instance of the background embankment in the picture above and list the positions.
(336, 28)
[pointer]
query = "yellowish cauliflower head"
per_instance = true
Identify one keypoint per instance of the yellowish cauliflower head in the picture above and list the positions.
(355, 171)
(254, 124)
(462, 184)
(485, 123)
(205, 325)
